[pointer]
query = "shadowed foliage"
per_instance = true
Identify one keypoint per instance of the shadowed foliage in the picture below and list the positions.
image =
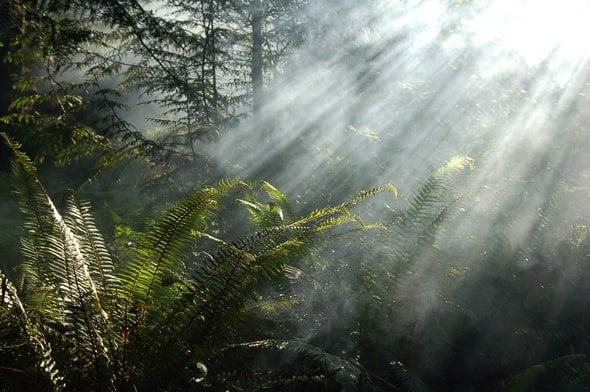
(79, 321)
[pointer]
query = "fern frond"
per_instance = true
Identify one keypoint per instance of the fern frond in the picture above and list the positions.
(11, 305)
(556, 373)
(208, 305)
(265, 215)
(431, 204)
(343, 209)
(100, 269)
(456, 164)
(410, 381)
(165, 245)
(93, 247)
(280, 199)
(225, 280)
(54, 258)
(346, 373)
(222, 285)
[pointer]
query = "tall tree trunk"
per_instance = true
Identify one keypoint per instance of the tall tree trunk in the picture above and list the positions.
(6, 26)
(257, 64)
(215, 103)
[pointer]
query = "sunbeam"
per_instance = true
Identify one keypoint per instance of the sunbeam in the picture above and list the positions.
(366, 195)
(431, 79)
(536, 30)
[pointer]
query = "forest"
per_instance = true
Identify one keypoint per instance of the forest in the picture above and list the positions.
(294, 195)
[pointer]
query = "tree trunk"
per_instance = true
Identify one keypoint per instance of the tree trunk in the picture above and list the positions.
(6, 22)
(9, 15)
(257, 63)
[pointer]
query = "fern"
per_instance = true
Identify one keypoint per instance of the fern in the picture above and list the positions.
(92, 244)
(430, 205)
(164, 246)
(278, 211)
(565, 371)
(54, 258)
(108, 328)
(345, 373)
(223, 284)
(12, 309)
(408, 379)
(307, 366)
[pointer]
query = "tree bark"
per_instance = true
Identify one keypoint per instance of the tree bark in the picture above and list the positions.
(6, 23)
(257, 62)
(8, 28)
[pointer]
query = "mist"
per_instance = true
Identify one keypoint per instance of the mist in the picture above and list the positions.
(385, 92)
(396, 90)
(473, 274)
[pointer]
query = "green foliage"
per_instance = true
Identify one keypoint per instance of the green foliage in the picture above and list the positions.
(63, 255)
(323, 368)
(25, 349)
(351, 294)
(316, 301)
(276, 212)
(86, 322)
(65, 105)
(568, 372)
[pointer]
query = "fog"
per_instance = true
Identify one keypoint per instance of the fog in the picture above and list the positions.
(393, 91)
(384, 92)
(476, 111)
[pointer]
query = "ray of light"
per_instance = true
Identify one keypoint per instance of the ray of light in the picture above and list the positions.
(496, 79)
